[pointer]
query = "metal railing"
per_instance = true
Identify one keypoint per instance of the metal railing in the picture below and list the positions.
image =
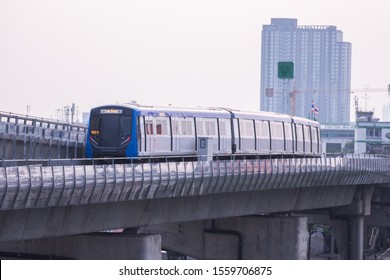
(39, 127)
(25, 137)
(37, 185)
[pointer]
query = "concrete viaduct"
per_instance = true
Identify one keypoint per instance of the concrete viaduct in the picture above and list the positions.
(226, 209)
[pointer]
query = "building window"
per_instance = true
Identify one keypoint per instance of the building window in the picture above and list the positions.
(373, 133)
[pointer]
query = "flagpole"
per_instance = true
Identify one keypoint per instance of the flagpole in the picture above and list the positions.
(312, 110)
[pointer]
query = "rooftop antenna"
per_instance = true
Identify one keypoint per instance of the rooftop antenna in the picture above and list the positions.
(356, 103)
(366, 97)
(388, 90)
(73, 111)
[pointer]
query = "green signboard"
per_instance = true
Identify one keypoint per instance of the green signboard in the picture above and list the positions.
(286, 70)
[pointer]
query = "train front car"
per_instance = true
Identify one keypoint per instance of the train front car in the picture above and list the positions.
(111, 132)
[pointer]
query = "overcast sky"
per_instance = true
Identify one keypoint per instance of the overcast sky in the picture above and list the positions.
(203, 52)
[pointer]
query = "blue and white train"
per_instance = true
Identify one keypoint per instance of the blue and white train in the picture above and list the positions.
(136, 131)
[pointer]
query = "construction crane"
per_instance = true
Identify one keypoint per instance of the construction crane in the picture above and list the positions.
(366, 90)
(292, 94)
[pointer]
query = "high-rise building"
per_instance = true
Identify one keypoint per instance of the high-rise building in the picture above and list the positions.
(322, 71)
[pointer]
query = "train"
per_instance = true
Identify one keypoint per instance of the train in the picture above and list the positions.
(139, 131)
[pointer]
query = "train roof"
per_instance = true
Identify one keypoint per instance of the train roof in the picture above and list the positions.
(179, 111)
(305, 121)
(216, 112)
(261, 115)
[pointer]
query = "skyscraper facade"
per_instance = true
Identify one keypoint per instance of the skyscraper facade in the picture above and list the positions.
(322, 71)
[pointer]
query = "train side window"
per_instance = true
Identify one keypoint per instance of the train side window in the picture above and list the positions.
(246, 128)
(222, 127)
(199, 127)
(158, 129)
(262, 129)
(258, 128)
(162, 126)
(211, 127)
(241, 127)
(249, 129)
(308, 133)
(277, 130)
(308, 139)
(299, 130)
(287, 130)
(175, 126)
(186, 127)
(149, 127)
(314, 134)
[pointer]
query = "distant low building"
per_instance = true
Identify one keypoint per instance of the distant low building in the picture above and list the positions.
(371, 135)
(366, 136)
(85, 117)
(386, 113)
(337, 139)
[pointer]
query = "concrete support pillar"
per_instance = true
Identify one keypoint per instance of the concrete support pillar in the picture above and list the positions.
(357, 224)
(251, 238)
(100, 246)
(355, 213)
(341, 230)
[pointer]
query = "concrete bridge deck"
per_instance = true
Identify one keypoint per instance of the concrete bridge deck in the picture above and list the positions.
(42, 201)
(206, 205)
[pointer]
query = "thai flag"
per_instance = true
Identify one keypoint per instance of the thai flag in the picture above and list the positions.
(314, 109)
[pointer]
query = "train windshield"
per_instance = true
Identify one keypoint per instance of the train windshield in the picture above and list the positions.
(108, 129)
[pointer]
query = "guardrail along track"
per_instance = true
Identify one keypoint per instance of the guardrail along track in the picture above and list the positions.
(36, 185)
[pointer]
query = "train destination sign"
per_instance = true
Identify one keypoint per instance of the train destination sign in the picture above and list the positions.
(111, 111)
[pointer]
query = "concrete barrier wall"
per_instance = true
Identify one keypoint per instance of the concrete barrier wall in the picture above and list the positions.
(100, 246)
(39, 186)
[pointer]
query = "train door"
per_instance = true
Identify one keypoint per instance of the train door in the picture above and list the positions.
(263, 141)
(183, 139)
(308, 139)
(176, 132)
(277, 136)
(158, 136)
(150, 134)
(288, 137)
(237, 136)
(299, 137)
(162, 135)
(141, 134)
(317, 138)
(211, 131)
(187, 139)
(225, 135)
(314, 140)
(247, 134)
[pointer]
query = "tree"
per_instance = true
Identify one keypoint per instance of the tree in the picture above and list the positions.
(311, 228)
(349, 147)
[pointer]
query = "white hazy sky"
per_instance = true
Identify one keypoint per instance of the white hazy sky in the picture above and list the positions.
(196, 52)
